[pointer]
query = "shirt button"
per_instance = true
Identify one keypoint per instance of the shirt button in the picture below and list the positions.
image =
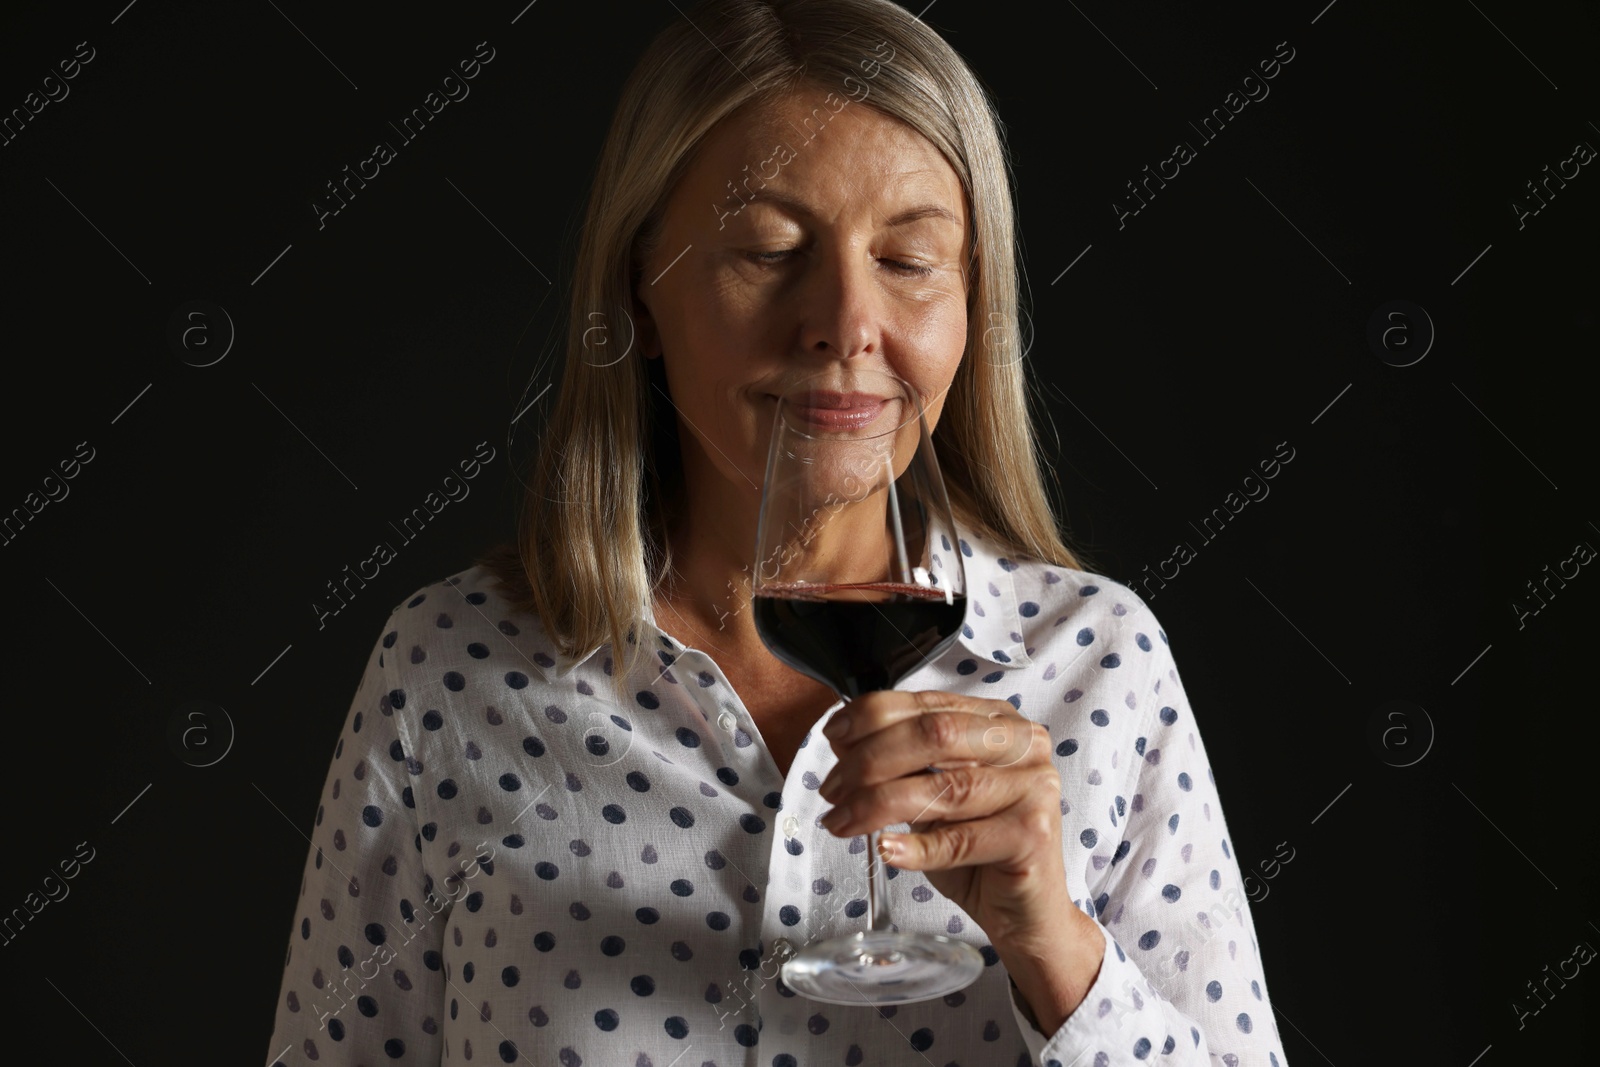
(782, 947)
(791, 827)
(727, 722)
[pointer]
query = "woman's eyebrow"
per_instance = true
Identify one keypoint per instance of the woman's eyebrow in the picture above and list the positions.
(910, 215)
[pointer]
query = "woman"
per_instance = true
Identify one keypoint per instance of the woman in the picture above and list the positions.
(578, 814)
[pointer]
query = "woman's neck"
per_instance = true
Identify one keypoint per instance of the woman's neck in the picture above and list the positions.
(705, 600)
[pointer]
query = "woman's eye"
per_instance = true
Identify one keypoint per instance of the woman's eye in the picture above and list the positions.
(774, 258)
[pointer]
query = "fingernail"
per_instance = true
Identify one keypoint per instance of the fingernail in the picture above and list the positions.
(837, 727)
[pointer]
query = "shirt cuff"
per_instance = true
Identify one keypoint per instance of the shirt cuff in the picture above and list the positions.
(1114, 1018)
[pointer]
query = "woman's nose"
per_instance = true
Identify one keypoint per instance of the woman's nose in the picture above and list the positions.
(841, 304)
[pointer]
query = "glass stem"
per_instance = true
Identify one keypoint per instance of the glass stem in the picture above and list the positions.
(877, 887)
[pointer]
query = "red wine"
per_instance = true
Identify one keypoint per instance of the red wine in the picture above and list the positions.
(857, 638)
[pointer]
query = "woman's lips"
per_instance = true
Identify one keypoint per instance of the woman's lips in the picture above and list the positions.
(835, 411)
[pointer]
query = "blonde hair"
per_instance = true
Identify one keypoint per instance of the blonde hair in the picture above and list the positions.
(592, 548)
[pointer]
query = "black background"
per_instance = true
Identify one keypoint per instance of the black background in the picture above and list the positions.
(1178, 351)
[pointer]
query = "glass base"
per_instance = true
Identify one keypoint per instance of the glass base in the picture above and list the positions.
(882, 967)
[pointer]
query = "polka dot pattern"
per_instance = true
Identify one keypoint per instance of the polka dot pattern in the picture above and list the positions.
(509, 864)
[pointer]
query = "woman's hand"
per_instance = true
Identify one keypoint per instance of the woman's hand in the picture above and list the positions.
(986, 829)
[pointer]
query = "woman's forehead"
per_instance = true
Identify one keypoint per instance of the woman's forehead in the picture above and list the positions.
(803, 116)
(799, 140)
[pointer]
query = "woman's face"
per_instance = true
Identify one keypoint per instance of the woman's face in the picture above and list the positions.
(845, 250)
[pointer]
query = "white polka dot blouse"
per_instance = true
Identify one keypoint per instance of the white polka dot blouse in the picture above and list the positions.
(509, 866)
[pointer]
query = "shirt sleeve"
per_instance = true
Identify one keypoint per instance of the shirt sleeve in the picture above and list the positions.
(1182, 981)
(362, 983)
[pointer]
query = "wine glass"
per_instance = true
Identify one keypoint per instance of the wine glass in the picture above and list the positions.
(853, 590)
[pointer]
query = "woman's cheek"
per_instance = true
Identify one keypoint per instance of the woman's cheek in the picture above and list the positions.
(935, 353)
(939, 326)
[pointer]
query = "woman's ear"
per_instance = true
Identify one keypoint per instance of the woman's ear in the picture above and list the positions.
(649, 338)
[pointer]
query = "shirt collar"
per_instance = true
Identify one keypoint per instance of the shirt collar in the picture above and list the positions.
(993, 626)
(991, 630)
